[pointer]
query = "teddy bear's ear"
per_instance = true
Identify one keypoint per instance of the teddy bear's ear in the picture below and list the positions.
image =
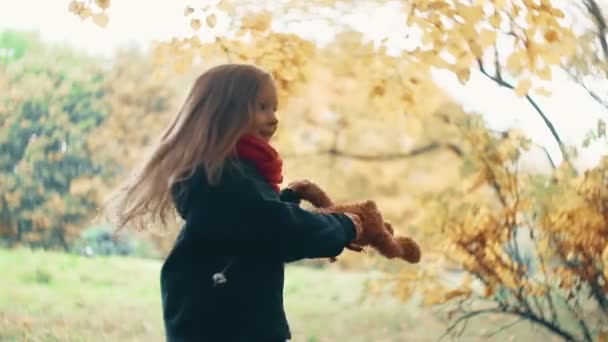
(369, 204)
(389, 227)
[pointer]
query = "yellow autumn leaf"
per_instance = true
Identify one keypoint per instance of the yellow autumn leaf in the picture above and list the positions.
(487, 37)
(541, 91)
(515, 62)
(211, 20)
(432, 298)
(551, 57)
(226, 6)
(523, 87)
(551, 36)
(13, 198)
(181, 65)
(456, 293)
(85, 13)
(75, 6)
(545, 73)
(195, 24)
(488, 291)
(463, 75)
(436, 5)
(495, 20)
(188, 10)
(103, 4)
(558, 13)
(80, 186)
(471, 14)
(543, 246)
(258, 21)
(476, 49)
(101, 19)
(500, 4)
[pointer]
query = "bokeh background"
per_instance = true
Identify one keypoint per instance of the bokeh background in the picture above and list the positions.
(477, 126)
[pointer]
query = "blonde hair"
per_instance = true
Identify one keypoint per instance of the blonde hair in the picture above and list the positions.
(217, 111)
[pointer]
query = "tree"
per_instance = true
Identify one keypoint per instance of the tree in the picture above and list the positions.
(14, 44)
(139, 102)
(69, 130)
(531, 245)
(589, 66)
(45, 116)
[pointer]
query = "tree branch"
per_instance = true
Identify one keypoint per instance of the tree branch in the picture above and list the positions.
(335, 152)
(466, 317)
(582, 324)
(502, 133)
(599, 295)
(591, 93)
(525, 315)
(500, 81)
(504, 327)
(224, 48)
(542, 265)
(596, 13)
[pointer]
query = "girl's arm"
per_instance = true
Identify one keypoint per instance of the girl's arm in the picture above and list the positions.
(252, 224)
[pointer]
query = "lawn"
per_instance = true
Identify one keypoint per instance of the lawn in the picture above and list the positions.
(47, 296)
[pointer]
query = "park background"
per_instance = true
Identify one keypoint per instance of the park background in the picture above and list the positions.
(477, 126)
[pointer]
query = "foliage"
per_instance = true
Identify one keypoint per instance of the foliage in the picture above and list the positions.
(530, 244)
(46, 113)
(140, 103)
(101, 240)
(589, 65)
(13, 45)
(69, 130)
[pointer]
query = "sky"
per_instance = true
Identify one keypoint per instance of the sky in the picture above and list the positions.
(139, 22)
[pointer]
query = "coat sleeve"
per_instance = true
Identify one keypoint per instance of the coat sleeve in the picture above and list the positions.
(256, 225)
(288, 195)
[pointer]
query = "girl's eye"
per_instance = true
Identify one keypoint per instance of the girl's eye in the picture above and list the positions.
(262, 106)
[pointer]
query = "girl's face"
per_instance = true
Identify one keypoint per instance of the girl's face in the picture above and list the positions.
(265, 118)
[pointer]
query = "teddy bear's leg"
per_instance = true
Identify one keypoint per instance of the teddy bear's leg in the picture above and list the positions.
(410, 249)
(387, 246)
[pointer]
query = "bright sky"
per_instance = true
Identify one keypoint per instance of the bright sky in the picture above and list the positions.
(571, 110)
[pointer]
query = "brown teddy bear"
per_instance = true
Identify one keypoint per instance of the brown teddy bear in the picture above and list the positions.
(375, 231)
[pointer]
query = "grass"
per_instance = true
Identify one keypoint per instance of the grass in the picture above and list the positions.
(47, 296)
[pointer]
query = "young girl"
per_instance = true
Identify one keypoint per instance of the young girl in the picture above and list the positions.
(223, 280)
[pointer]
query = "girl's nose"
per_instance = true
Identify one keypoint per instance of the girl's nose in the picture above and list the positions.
(274, 120)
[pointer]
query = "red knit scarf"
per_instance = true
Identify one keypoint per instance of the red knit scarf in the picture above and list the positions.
(264, 156)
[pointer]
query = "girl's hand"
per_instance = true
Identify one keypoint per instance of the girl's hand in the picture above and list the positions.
(359, 228)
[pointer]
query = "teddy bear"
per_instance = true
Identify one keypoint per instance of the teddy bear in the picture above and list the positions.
(375, 232)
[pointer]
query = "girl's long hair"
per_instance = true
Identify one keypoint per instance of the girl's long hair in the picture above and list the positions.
(216, 112)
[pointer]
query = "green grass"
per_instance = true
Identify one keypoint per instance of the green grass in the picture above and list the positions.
(47, 296)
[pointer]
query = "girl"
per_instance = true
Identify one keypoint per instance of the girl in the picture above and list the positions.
(223, 279)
